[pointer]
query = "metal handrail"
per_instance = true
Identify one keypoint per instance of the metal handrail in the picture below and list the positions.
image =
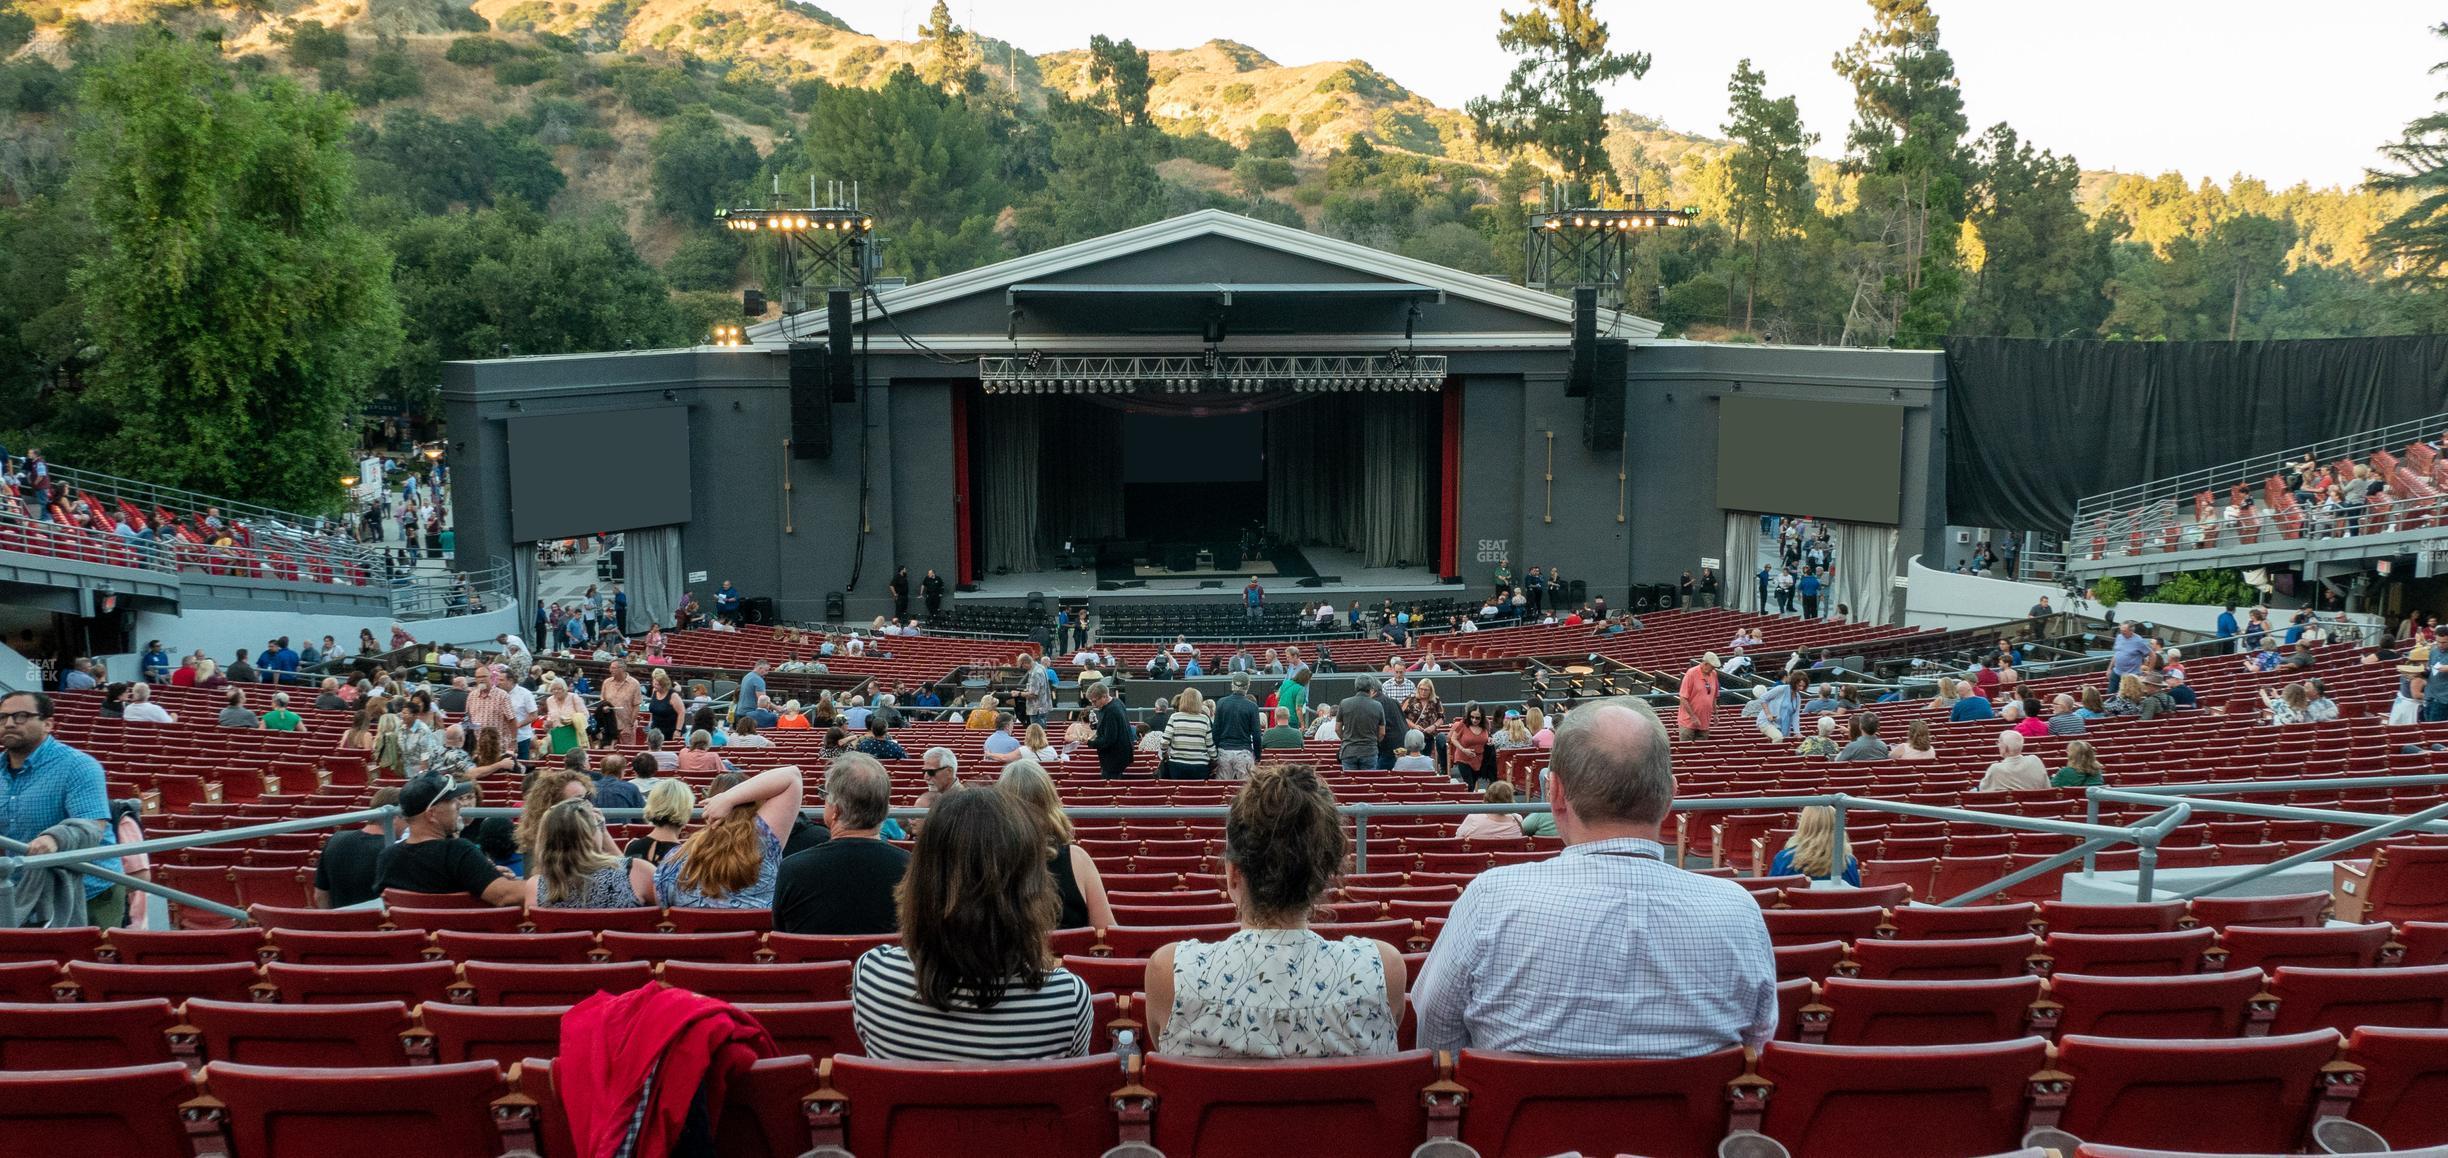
(2379, 517)
(154, 495)
(2253, 469)
(2374, 826)
(430, 597)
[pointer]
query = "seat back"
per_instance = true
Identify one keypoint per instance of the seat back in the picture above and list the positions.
(737, 947)
(93, 1035)
(2345, 947)
(1806, 926)
(1836, 897)
(323, 920)
(2128, 954)
(1367, 1106)
(2405, 1082)
(2144, 917)
(549, 948)
(130, 1111)
(1868, 1012)
(1523, 1105)
(790, 947)
(498, 920)
(1058, 1109)
(2287, 911)
(356, 1034)
(280, 1112)
(819, 1029)
(388, 947)
(232, 981)
(518, 983)
(186, 946)
(414, 984)
(636, 920)
(2341, 999)
(2200, 1005)
(2243, 1096)
(1930, 923)
(1814, 961)
(2409, 882)
(761, 1109)
(1964, 960)
(803, 982)
(72, 944)
(1833, 1101)
(500, 1034)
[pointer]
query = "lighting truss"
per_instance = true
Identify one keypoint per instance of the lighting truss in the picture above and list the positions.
(826, 248)
(1593, 247)
(1039, 373)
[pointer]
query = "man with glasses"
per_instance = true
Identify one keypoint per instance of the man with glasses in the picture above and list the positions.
(44, 782)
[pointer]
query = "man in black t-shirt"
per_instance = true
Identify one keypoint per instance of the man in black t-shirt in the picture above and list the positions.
(345, 874)
(844, 887)
(1114, 742)
(434, 858)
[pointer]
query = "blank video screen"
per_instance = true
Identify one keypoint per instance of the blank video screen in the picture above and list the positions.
(1159, 448)
(1833, 460)
(578, 473)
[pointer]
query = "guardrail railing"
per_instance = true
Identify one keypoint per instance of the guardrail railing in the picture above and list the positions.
(2250, 471)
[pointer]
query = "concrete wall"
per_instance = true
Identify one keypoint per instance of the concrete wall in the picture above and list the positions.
(222, 633)
(1948, 601)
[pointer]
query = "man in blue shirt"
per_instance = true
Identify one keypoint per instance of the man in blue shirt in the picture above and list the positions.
(44, 782)
(1809, 588)
(727, 603)
(2130, 650)
(156, 662)
(1973, 706)
(2227, 623)
(620, 610)
(752, 685)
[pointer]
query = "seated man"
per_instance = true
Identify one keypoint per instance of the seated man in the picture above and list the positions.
(435, 858)
(2014, 771)
(1605, 950)
(844, 886)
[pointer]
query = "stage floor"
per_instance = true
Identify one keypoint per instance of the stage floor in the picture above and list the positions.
(1352, 579)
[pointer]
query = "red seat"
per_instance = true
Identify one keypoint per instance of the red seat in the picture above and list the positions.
(2290, 911)
(2342, 999)
(92, 1035)
(1814, 961)
(517, 983)
(186, 946)
(1120, 976)
(1367, 1106)
(358, 1034)
(28, 980)
(795, 947)
(322, 920)
(2241, 1096)
(388, 947)
(736, 948)
(99, 982)
(1946, 960)
(2199, 1005)
(499, 920)
(805, 982)
(1834, 1101)
(819, 1029)
(411, 984)
(1126, 941)
(1045, 1109)
(129, 1112)
(2426, 942)
(1836, 897)
(76, 944)
(1808, 926)
(686, 920)
(637, 920)
(2143, 917)
(1866, 1012)
(1160, 916)
(2405, 1084)
(1522, 1106)
(2344, 947)
(1929, 923)
(280, 1112)
(392, 897)
(560, 948)
(2404, 882)
(2128, 954)
(503, 1034)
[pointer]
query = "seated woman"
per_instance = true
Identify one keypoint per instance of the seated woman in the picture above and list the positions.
(972, 979)
(1492, 825)
(2082, 768)
(1275, 989)
(576, 866)
(1077, 883)
(1916, 745)
(730, 863)
(699, 758)
(1812, 851)
(668, 805)
(1821, 744)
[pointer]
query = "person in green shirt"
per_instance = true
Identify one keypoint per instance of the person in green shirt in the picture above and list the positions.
(1282, 737)
(2082, 768)
(280, 718)
(1292, 696)
(1538, 824)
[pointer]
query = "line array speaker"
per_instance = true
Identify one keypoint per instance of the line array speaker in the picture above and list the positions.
(1584, 342)
(811, 408)
(841, 369)
(1603, 423)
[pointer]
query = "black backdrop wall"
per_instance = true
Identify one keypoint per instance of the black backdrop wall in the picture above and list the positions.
(2034, 426)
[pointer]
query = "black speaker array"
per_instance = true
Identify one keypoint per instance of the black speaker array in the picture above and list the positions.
(840, 370)
(1584, 342)
(811, 407)
(1602, 425)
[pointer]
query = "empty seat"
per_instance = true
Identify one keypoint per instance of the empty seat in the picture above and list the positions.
(2404, 882)
(1834, 1101)
(2341, 999)
(1808, 926)
(356, 1034)
(2241, 1095)
(411, 984)
(504, 1034)
(1054, 1109)
(802, 982)
(1868, 1012)
(2426, 942)
(738, 948)
(557, 948)
(92, 1035)
(1814, 961)
(186, 946)
(2142, 917)
(1367, 1106)
(387, 947)
(127, 1112)
(1824, 896)
(74, 944)
(2128, 954)
(817, 1028)
(1530, 1106)
(791, 947)
(1946, 960)
(281, 1112)
(321, 920)
(2405, 1084)
(2197, 1005)
(28, 980)
(637, 920)
(2289, 911)
(1930, 923)
(1120, 976)
(515, 983)
(101, 982)
(2343, 947)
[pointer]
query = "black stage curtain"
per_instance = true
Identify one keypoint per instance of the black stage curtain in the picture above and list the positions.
(1046, 469)
(2034, 426)
(1357, 471)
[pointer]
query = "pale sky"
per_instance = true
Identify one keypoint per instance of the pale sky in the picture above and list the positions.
(2285, 92)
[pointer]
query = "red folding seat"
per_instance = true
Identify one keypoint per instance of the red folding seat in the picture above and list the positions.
(2239, 1096)
(810, 981)
(644, 919)
(793, 947)
(737, 948)
(2198, 1005)
(1524, 1106)
(1834, 1101)
(1120, 976)
(186, 946)
(1814, 961)
(392, 897)
(1866, 1012)
(503, 1034)
(2426, 942)
(1837, 897)
(2128, 954)
(359, 1034)
(496, 920)
(1930, 923)
(1124, 941)
(92, 1035)
(1368, 1106)
(410, 984)
(28, 980)
(520, 983)
(83, 943)
(686, 920)
(210, 882)
(2342, 999)
(129, 1112)
(1808, 926)
(1062, 941)
(1045, 1109)
(318, 920)
(1916, 872)
(281, 1112)
(1992, 957)
(2403, 882)
(234, 981)
(2405, 1084)
(284, 886)
(2343, 947)
(2143, 917)
(558, 948)
(819, 1029)
(1958, 875)
(2290, 911)
(387, 947)
(1153, 916)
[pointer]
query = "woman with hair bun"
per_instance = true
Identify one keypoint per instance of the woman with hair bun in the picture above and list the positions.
(1275, 989)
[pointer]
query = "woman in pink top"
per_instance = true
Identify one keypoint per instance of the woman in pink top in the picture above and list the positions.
(699, 756)
(1492, 825)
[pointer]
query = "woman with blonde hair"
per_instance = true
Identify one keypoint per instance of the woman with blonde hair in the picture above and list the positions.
(1516, 733)
(1812, 850)
(1916, 745)
(663, 704)
(1188, 740)
(730, 863)
(2082, 767)
(576, 866)
(668, 805)
(546, 790)
(565, 717)
(1034, 743)
(391, 745)
(1492, 825)
(1076, 880)
(699, 758)
(791, 719)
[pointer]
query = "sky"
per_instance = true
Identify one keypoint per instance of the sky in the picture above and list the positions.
(2210, 88)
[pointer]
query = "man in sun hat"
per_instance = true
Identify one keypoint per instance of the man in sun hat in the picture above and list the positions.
(1696, 702)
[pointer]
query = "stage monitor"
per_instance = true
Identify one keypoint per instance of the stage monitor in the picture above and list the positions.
(1834, 460)
(1225, 448)
(583, 471)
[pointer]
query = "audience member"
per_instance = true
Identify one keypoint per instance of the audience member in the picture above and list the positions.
(879, 742)
(668, 805)
(1492, 825)
(1916, 745)
(280, 718)
(1189, 746)
(2014, 771)
(344, 873)
(1866, 745)
(1822, 744)
(2082, 768)
(141, 708)
(2064, 719)
(576, 866)
(730, 863)
(234, 713)
(1696, 700)
(1077, 883)
(1813, 852)
(845, 886)
(434, 858)
(1113, 739)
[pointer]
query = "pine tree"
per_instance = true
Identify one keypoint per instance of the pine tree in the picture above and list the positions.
(951, 53)
(1552, 102)
(1907, 145)
(1768, 189)
(2417, 239)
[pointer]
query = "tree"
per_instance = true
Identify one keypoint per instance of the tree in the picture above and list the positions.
(2248, 253)
(2039, 269)
(1551, 102)
(239, 313)
(926, 163)
(1768, 174)
(1102, 180)
(949, 57)
(434, 165)
(1124, 67)
(1906, 144)
(2417, 239)
(697, 164)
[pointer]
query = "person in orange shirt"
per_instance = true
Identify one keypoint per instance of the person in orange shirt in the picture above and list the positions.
(1696, 702)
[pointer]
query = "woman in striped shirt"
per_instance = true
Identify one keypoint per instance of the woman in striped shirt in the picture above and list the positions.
(1189, 747)
(971, 979)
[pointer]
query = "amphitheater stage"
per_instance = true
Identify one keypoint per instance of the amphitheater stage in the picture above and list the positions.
(1337, 574)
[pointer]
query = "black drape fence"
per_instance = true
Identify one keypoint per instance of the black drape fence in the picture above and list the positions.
(2033, 427)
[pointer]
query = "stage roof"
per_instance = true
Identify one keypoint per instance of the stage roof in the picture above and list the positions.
(1222, 293)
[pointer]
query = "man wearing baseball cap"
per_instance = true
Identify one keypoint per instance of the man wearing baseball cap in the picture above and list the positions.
(435, 858)
(1696, 702)
(1238, 724)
